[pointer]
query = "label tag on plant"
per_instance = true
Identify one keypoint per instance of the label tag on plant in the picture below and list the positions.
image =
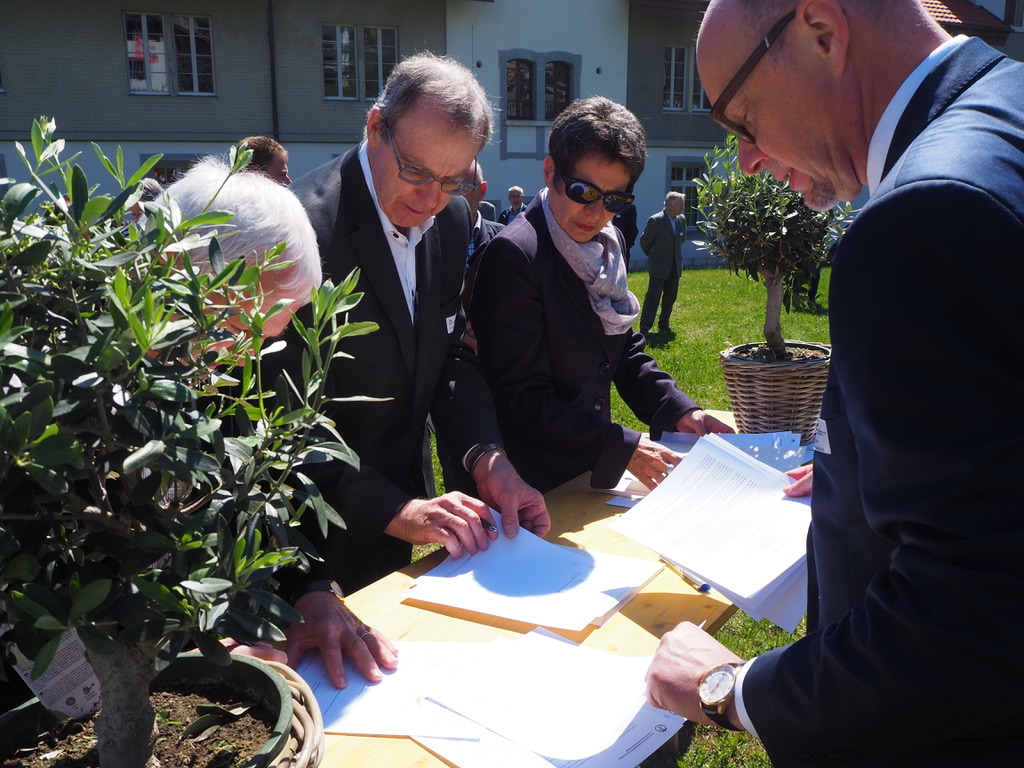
(69, 684)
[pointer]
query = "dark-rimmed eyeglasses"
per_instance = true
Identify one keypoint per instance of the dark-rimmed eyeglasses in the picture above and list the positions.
(585, 193)
(718, 109)
(418, 178)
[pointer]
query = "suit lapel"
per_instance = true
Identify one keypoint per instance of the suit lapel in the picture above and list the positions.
(373, 255)
(954, 74)
(428, 290)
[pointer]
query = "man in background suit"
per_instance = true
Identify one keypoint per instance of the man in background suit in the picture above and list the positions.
(516, 205)
(625, 222)
(913, 646)
(662, 241)
(393, 209)
(482, 229)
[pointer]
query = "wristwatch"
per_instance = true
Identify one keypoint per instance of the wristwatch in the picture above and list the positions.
(320, 585)
(717, 689)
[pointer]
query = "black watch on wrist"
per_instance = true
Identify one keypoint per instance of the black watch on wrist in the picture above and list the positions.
(319, 585)
(716, 690)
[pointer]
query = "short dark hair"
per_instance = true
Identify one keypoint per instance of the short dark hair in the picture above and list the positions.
(264, 150)
(598, 126)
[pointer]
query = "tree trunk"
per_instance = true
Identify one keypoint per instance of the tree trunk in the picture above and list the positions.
(773, 313)
(126, 726)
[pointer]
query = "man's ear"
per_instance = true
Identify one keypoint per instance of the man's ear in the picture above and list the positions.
(374, 127)
(549, 170)
(824, 24)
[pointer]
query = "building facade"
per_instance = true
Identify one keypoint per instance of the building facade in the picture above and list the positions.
(189, 78)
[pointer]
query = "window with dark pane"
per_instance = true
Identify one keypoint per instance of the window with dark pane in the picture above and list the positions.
(519, 89)
(557, 89)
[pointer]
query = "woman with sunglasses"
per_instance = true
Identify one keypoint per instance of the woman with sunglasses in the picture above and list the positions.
(553, 317)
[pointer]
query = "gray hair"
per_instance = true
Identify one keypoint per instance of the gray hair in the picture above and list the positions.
(265, 214)
(673, 195)
(452, 87)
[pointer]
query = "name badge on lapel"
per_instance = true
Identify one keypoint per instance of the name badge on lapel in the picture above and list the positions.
(450, 323)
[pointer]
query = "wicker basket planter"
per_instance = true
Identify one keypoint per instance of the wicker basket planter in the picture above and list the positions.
(776, 396)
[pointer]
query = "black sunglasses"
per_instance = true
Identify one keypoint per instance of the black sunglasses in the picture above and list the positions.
(585, 193)
(718, 109)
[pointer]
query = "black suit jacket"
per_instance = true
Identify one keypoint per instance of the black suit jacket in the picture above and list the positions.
(662, 244)
(915, 655)
(506, 215)
(420, 370)
(550, 364)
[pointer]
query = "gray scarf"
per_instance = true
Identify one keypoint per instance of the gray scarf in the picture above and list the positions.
(601, 267)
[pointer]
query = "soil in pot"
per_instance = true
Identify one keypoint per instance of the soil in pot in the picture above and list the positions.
(235, 741)
(794, 354)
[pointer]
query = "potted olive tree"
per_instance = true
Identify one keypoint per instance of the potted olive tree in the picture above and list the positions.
(145, 505)
(764, 231)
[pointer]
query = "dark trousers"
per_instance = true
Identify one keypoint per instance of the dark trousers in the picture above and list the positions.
(663, 291)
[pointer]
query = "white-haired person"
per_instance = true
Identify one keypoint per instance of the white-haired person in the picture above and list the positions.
(265, 214)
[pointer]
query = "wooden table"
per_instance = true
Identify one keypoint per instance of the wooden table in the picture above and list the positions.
(580, 518)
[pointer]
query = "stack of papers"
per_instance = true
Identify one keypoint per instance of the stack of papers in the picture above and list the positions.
(781, 450)
(531, 580)
(538, 700)
(723, 517)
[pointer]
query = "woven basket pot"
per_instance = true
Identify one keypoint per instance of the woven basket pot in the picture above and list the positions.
(780, 396)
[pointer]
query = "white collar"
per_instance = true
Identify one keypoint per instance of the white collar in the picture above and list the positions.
(881, 139)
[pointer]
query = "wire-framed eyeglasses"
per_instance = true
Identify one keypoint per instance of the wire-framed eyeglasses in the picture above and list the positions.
(418, 178)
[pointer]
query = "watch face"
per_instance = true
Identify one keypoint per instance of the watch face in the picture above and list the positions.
(717, 685)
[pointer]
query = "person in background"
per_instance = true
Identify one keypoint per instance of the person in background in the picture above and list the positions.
(393, 208)
(662, 241)
(268, 157)
(625, 222)
(911, 656)
(553, 313)
(151, 190)
(515, 199)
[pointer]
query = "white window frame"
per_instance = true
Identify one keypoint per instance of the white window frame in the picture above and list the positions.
(148, 51)
(193, 55)
(361, 64)
(670, 94)
(687, 186)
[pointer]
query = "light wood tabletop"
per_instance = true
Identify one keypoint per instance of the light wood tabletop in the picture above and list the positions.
(580, 518)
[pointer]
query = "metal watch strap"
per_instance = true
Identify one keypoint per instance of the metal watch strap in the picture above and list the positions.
(480, 451)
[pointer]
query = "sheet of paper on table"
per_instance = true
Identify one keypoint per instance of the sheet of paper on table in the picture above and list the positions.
(548, 697)
(531, 580)
(396, 706)
(722, 515)
(781, 450)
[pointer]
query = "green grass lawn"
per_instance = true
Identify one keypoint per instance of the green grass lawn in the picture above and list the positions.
(715, 310)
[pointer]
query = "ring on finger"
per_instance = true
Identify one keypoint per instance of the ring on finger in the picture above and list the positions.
(364, 634)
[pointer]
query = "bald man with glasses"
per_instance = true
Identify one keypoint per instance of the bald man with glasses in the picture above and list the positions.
(912, 655)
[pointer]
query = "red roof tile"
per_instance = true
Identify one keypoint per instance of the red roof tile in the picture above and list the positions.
(964, 13)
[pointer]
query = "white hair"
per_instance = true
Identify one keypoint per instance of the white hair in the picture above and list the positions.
(265, 214)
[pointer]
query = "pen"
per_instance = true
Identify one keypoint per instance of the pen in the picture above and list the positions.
(490, 526)
(692, 579)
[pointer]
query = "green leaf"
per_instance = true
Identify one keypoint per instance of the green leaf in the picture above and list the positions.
(14, 203)
(33, 255)
(58, 450)
(97, 641)
(44, 658)
(90, 598)
(208, 586)
(23, 567)
(144, 456)
(173, 391)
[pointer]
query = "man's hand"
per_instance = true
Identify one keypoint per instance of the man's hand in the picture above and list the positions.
(701, 422)
(330, 626)
(651, 462)
(804, 477)
(683, 656)
(263, 651)
(458, 522)
(502, 488)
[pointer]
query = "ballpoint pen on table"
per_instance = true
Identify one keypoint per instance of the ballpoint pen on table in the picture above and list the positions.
(692, 579)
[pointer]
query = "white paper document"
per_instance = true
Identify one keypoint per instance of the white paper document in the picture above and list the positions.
(398, 705)
(567, 703)
(781, 450)
(531, 580)
(69, 685)
(723, 516)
